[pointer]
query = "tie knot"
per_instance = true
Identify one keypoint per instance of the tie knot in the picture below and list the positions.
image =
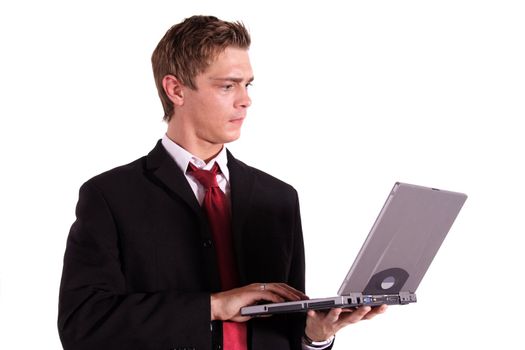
(207, 178)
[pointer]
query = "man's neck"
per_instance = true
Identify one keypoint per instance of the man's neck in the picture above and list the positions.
(203, 150)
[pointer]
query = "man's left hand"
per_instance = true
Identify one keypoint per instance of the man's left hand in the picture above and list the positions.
(321, 325)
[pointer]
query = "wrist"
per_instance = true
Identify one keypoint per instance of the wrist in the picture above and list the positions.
(215, 307)
(317, 343)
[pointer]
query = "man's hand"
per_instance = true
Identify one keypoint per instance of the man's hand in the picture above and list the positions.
(226, 306)
(321, 325)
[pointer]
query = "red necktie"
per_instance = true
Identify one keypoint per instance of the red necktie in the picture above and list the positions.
(217, 210)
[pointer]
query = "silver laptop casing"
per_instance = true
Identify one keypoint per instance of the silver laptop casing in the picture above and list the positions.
(395, 256)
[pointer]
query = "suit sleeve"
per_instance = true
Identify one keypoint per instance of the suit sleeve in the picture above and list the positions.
(95, 310)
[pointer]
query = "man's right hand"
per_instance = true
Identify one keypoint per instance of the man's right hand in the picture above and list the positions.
(226, 306)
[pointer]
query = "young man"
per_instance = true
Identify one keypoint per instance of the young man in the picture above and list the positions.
(167, 249)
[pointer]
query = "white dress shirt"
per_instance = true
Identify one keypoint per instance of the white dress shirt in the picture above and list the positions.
(183, 158)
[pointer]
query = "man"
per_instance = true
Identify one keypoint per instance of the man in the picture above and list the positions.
(167, 249)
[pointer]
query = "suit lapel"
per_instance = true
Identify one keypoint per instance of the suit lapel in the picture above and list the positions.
(165, 170)
(241, 190)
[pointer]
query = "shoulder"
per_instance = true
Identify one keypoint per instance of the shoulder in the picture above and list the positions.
(260, 178)
(271, 180)
(123, 175)
(128, 175)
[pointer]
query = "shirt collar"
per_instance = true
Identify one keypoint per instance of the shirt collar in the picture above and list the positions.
(183, 158)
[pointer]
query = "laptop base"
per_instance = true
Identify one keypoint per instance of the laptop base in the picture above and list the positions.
(353, 300)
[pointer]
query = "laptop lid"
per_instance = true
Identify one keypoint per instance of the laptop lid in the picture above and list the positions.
(403, 240)
(397, 252)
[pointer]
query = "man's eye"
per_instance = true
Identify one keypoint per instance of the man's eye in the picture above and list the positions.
(228, 87)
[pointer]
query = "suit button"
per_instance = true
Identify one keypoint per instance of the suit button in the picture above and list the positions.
(207, 243)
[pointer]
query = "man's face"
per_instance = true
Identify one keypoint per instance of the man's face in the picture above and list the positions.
(215, 111)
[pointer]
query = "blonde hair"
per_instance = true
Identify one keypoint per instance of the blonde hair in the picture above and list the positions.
(189, 47)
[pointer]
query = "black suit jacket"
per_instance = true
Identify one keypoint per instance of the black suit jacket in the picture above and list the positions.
(140, 264)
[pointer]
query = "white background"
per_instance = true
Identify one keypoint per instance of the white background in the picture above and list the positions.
(347, 100)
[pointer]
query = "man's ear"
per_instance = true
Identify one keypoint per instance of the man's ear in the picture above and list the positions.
(173, 89)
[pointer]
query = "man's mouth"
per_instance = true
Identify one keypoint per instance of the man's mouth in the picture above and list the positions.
(237, 120)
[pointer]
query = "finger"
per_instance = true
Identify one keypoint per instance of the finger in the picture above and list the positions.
(291, 289)
(359, 313)
(259, 291)
(268, 296)
(352, 317)
(382, 309)
(349, 309)
(286, 292)
(375, 311)
(333, 315)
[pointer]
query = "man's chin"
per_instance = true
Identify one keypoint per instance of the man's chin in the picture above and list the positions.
(232, 137)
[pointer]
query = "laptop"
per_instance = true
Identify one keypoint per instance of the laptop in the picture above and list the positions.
(394, 257)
